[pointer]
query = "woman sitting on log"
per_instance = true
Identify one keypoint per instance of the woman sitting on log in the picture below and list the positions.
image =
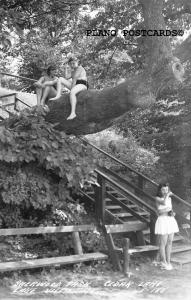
(76, 84)
(45, 92)
(166, 225)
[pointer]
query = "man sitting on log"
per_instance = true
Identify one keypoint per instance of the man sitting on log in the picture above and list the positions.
(44, 92)
(77, 83)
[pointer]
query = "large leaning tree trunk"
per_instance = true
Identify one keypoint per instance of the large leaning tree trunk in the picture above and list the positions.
(96, 110)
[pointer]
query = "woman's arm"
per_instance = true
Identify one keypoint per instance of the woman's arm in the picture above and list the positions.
(160, 200)
(76, 76)
(163, 200)
(39, 82)
(50, 83)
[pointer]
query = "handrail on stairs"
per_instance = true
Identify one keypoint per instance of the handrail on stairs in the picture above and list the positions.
(119, 161)
(17, 76)
(180, 200)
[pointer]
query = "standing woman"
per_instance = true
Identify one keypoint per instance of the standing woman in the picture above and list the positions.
(166, 224)
(76, 84)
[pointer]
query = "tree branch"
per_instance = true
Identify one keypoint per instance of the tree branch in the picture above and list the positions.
(109, 64)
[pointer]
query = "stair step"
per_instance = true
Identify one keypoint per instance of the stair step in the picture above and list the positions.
(178, 238)
(121, 199)
(113, 207)
(182, 258)
(126, 227)
(180, 248)
(117, 196)
(90, 192)
(139, 249)
(129, 214)
(176, 249)
(108, 201)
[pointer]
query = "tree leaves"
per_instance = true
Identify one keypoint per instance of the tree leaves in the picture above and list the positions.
(31, 150)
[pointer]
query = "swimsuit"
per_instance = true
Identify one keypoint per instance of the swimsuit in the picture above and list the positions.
(82, 81)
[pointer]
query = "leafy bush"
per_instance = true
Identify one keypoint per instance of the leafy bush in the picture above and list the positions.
(125, 149)
(40, 168)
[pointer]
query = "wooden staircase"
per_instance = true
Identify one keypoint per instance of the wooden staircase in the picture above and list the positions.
(119, 201)
(11, 102)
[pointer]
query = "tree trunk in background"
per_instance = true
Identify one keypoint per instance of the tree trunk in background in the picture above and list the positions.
(183, 51)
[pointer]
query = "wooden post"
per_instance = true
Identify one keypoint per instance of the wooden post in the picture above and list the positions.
(140, 186)
(111, 249)
(126, 256)
(77, 243)
(140, 238)
(100, 192)
(140, 182)
(153, 238)
(140, 234)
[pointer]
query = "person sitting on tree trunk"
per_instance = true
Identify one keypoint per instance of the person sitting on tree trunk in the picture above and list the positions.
(76, 84)
(44, 92)
(166, 224)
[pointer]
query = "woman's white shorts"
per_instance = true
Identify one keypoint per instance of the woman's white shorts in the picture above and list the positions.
(166, 225)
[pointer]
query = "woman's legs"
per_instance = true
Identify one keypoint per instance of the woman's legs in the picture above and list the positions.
(169, 247)
(162, 247)
(61, 81)
(74, 91)
(49, 91)
(39, 95)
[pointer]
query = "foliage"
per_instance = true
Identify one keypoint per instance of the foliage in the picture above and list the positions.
(37, 55)
(125, 149)
(60, 27)
(40, 167)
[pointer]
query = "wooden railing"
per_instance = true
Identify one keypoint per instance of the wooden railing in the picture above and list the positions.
(149, 201)
(78, 257)
(17, 76)
(141, 176)
(16, 99)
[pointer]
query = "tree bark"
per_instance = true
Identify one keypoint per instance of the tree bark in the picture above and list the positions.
(183, 51)
(162, 67)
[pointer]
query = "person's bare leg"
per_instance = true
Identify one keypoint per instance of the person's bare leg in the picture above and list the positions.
(73, 100)
(162, 247)
(169, 247)
(45, 95)
(61, 81)
(38, 95)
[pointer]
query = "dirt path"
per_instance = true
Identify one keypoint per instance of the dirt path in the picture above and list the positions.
(145, 282)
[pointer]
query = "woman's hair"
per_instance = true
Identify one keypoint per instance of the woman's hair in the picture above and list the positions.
(49, 69)
(161, 185)
(74, 58)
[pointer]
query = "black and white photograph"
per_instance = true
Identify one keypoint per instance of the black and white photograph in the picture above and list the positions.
(95, 149)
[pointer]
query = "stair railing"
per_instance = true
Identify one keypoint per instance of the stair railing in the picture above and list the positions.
(16, 100)
(141, 179)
